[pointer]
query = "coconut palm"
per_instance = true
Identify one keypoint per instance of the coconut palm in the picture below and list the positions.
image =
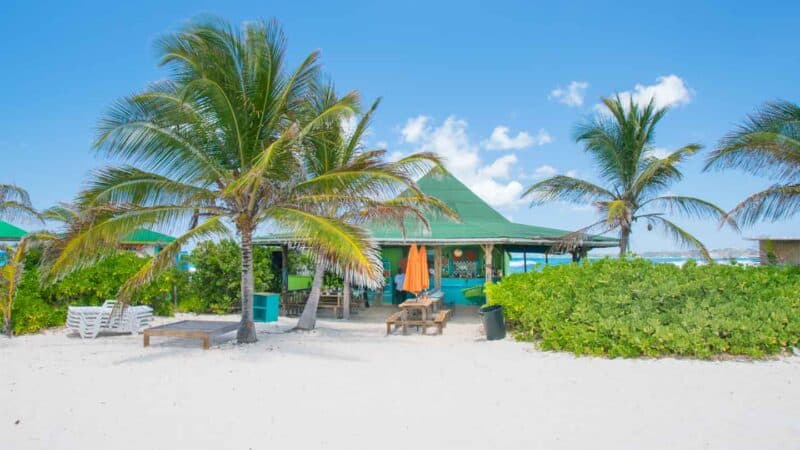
(766, 144)
(621, 143)
(336, 154)
(217, 144)
(15, 203)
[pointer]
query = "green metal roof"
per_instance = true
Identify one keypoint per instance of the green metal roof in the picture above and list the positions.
(9, 232)
(142, 236)
(480, 223)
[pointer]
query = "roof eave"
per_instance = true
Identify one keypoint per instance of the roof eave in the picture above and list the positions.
(454, 241)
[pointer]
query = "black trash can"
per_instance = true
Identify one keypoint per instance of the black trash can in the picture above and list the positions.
(493, 323)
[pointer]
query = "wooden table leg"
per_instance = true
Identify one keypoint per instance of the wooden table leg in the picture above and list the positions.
(206, 343)
(146, 339)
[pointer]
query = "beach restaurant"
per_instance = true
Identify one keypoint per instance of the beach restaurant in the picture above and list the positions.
(461, 254)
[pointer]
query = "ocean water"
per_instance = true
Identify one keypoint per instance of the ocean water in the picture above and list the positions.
(535, 261)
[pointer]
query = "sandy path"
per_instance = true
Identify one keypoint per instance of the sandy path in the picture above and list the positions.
(349, 387)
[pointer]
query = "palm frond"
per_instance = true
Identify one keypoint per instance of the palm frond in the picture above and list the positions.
(691, 207)
(659, 173)
(334, 240)
(166, 257)
(130, 185)
(679, 235)
(15, 203)
(565, 188)
(767, 144)
(778, 202)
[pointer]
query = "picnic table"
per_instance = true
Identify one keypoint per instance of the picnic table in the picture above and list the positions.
(191, 329)
(424, 306)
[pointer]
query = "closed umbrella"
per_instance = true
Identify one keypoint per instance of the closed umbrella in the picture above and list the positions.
(413, 280)
(423, 263)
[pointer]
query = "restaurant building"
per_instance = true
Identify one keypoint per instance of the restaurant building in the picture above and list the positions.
(465, 253)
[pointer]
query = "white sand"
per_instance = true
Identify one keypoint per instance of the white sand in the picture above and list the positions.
(349, 387)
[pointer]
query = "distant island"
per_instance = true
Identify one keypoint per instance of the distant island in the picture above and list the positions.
(719, 253)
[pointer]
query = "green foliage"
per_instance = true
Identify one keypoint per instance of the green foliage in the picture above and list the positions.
(99, 282)
(216, 285)
(634, 308)
(213, 288)
(31, 311)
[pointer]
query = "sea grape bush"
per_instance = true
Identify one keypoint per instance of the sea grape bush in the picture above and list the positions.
(215, 287)
(632, 308)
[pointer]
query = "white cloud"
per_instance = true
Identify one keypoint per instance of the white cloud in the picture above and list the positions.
(669, 90)
(500, 168)
(462, 158)
(501, 140)
(572, 95)
(414, 129)
(545, 171)
(395, 156)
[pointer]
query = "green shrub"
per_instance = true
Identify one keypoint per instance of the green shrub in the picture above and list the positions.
(99, 282)
(636, 308)
(216, 284)
(31, 312)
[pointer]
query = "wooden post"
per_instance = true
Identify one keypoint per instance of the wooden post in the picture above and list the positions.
(525, 262)
(437, 267)
(546, 260)
(347, 293)
(487, 261)
(284, 269)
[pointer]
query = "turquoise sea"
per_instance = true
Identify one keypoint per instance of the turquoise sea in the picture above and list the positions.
(534, 261)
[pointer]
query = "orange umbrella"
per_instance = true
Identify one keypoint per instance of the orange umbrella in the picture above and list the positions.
(413, 281)
(423, 263)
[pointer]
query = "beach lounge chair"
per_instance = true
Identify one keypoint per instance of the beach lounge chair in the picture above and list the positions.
(89, 321)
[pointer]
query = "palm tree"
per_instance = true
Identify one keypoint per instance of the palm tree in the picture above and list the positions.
(215, 145)
(621, 144)
(11, 274)
(15, 203)
(766, 144)
(336, 154)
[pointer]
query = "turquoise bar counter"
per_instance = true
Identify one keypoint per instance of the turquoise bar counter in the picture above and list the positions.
(452, 289)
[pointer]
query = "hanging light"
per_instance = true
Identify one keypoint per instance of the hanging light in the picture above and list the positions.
(457, 253)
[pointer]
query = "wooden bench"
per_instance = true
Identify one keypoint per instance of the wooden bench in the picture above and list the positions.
(396, 319)
(191, 329)
(441, 319)
(333, 302)
(401, 318)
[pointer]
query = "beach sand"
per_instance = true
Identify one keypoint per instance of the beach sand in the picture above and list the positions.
(347, 386)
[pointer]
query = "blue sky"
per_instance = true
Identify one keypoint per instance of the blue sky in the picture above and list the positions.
(457, 77)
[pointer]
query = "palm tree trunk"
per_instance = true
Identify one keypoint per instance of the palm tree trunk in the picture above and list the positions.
(8, 329)
(247, 329)
(624, 240)
(308, 320)
(347, 293)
